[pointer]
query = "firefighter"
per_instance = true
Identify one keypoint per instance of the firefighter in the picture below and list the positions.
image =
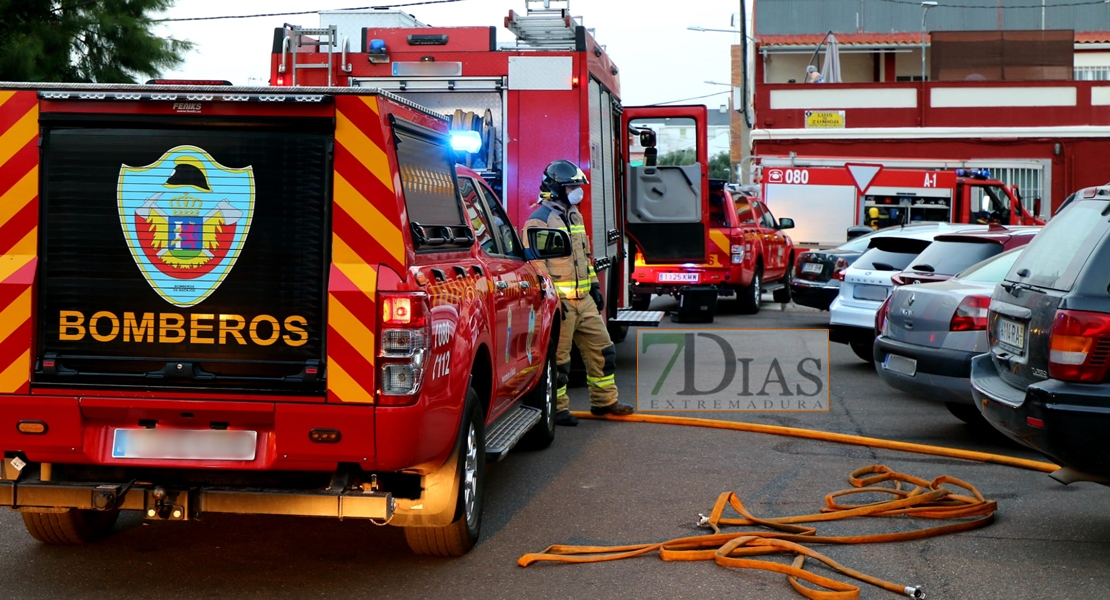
(579, 293)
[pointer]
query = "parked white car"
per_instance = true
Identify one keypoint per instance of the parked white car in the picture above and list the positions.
(867, 283)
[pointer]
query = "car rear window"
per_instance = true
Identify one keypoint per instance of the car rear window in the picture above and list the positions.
(951, 257)
(891, 254)
(992, 270)
(1055, 256)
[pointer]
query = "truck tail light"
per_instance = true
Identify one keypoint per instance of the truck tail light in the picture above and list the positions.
(971, 314)
(881, 316)
(1078, 346)
(737, 254)
(839, 268)
(404, 345)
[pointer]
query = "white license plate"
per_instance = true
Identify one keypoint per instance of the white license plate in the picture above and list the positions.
(682, 277)
(1011, 333)
(900, 364)
(813, 268)
(870, 292)
(184, 444)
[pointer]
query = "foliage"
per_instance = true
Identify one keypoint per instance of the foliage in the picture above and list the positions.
(89, 41)
(720, 165)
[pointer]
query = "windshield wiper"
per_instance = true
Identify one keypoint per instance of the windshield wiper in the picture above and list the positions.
(924, 267)
(878, 266)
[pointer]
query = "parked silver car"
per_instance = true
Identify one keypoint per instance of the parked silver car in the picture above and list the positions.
(930, 332)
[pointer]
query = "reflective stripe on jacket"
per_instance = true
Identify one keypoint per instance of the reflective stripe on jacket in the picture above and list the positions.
(572, 275)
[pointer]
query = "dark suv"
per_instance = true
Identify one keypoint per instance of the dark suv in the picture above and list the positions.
(1045, 381)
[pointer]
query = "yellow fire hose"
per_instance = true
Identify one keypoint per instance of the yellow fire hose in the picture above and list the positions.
(911, 496)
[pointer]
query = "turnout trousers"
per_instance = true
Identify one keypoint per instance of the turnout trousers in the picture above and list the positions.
(584, 326)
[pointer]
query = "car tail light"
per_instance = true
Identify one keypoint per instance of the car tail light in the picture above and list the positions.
(897, 279)
(971, 314)
(1078, 346)
(880, 316)
(838, 269)
(800, 262)
(404, 345)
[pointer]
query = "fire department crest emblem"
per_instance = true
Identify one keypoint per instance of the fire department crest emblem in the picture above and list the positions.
(185, 218)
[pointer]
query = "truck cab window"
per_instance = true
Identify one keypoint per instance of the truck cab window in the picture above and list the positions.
(502, 226)
(766, 218)
(717, 209)
(744, 213)
(477, 216)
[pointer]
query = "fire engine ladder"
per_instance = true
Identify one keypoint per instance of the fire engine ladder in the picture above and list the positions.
(546, 27)
(324, 38)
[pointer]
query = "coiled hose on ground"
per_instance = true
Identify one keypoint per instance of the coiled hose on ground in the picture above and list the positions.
(942, 498)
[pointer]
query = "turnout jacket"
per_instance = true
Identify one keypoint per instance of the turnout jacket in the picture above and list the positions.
(572, 275)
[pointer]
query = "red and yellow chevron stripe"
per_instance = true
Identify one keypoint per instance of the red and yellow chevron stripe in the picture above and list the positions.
(19, 212)
(365, 234)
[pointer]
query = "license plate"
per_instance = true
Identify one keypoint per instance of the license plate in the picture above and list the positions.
(813, 268)
(184, 444)
(1011, 333)
(900, 364)
(682, 277)
(870, 292)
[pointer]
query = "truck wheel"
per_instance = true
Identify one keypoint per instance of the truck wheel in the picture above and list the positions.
(70, 527)
(864, 350)
(782, 295)
(460, 536)
(617, 333)
(542, 433)
(749, 298)
(641, 301)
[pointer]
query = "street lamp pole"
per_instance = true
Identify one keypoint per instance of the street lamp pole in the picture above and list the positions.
(925, 5)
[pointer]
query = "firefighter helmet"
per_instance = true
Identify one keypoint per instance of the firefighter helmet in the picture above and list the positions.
(560, 174)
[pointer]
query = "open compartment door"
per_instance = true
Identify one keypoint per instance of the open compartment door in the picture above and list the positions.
(667, 182)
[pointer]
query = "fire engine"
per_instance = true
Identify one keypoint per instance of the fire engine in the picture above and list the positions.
(514, 108)
(829, 200)
(259, 300)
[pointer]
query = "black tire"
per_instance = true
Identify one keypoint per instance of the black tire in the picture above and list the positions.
(864, 350)
(542, 397)
(617, 333)
(70, 527)
(783, 294)
(749, 297)
(967, 413)
(460, 536)
(641, 301)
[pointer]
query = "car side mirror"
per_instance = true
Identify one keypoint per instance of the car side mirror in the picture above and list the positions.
(1036, 207)
(786, 223)
(545, 243)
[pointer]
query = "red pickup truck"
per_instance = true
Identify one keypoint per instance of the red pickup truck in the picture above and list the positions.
(258, 301)
(747, 253)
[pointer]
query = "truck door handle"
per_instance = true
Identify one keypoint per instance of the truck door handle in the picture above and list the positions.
(502, 285)
(525, 285)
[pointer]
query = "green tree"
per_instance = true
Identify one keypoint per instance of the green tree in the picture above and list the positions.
(91, 41)
(720, 165)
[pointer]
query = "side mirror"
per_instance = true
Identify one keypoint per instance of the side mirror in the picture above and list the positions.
(786, 223)
(545, 243)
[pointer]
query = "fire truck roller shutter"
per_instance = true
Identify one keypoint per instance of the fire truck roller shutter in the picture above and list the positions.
(204, 247)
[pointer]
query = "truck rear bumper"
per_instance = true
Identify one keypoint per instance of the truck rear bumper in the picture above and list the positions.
(183, 504)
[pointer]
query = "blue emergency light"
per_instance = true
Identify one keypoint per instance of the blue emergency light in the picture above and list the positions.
(975, 173)
(377, 46)
(466, 141)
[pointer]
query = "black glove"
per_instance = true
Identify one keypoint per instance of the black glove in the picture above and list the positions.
(595, 293)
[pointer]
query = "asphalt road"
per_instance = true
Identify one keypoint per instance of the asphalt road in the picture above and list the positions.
(606, 483)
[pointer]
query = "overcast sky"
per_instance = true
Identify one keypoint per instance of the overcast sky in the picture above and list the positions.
(660, 59)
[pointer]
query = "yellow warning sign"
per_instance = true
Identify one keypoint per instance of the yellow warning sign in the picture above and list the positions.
(824, 119)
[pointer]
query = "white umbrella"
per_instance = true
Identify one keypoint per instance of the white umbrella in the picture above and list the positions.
(830, 71)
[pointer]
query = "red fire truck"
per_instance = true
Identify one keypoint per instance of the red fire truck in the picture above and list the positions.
(553, 94)
(828, 200)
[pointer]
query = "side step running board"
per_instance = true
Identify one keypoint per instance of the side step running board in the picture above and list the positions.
(643, 318)
(507, 431)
